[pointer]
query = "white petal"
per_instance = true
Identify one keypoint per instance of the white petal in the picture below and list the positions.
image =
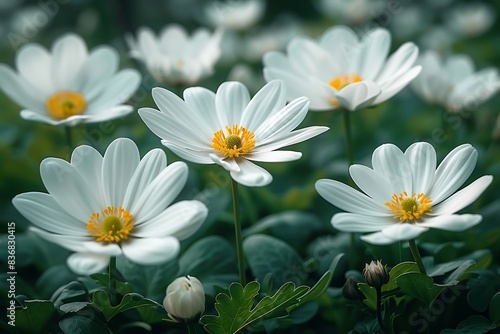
(180, 220)
(389, 161)
(231, 99)
(33, 64)
(69, 56)
(348, 199)
(358, 95)
(88, 162)
(100, 66)
(150, 251)
(68, 188)
(458, 67)
(228, 164)
(462, 198)
(399, 62)
(149, 167)
(118, 89)
(377, 238)
(68, 241)
(291, 138)
(268, 100)
(110, 249)
(375, 49)
(307, 57)
(396, 84)
(452, 172)
(190, 155)
(275, 156)
(351, 222)
(201, 103)
(87, 263)
(45, 118)
(371, 183)
(250, 174)
(160, 192)
(41, 210)
(404, 231)
(20, 91)
(422, 159)
(119, 164)
(342, 43)
(454, 223)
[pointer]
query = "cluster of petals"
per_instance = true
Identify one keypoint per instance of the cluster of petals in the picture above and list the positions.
(411, 172)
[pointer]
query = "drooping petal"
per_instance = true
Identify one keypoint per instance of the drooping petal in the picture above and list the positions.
(455, 168)
(422, 159)
(462, 198)
(371, 183)
(179, 220)
(120, 162)
(350, 200)
(45, 118)
(110, 249)
(228, 164)
(41, 210)
(455, 223)
(250, 174)
(358, 95)
(151, 251)
(160, 192)
(275, 156)
(377, 238)
(404, 231)
(87, 263)
(72, 242)
(352, 222)
(389, 161)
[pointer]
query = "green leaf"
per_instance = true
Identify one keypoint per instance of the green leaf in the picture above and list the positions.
(420, 286)
(82, 325)
(35, 316)
(103, 279)
(495, 309)
(482, 289)
(266, 255)
(317, 290)
(235, 310)
(475, 324)
(53, 278)
(71, 292)
(398, 270)
(370, 295)
(100, 301)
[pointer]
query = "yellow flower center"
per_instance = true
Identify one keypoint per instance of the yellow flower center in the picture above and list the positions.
(62, 105)
(180, 63)
(341, 81)
(235, 142)
(111, 225)
(409, 208)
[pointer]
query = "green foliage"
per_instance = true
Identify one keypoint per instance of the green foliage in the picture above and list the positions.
(101, 302)
(35, 316)
(475, 324)
(420, 286)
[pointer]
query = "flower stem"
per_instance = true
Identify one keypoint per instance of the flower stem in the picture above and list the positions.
(379, 310)
(112, 280)
(416, 256)
(191, 328)
(348, 140)
(237, 233)
(69, 139)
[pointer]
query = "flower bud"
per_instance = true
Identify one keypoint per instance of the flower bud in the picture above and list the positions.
(376, 274)
(350, 290)
(185, 299)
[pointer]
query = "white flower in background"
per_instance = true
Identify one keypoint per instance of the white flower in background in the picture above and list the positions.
(185, 299)
(410, 21)
(175, 57)
(453, 83)
(229, 128)
(405, 195)
(245, 74)
(234, 14)
(114, 205)
(339, 70)
(471, 19)
(350, 12)
(69, 85)
(437, 38)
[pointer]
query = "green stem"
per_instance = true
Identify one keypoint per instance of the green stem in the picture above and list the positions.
(416, 255)
(237, 233)
(379, 310)
(69, 139)
(348, 140)
(112, 280)
(191, 328)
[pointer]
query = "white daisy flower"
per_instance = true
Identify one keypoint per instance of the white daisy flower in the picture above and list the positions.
(229, 128)
(405, 195)
(69, 85)
(470, 19)
(351, 11)
(175, 57)
(339, 70)
(114, 205)
(453, 83)
(234, 14)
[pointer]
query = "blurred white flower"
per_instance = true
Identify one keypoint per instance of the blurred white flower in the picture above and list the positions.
(231, 129)
(114, 205)
(247, 76)
(437, 38)
(410, 21)
(185, 299)
(453, 83)
(70, 85)
(350, 12)
(404, 194)
(175, 57)
(470, 19)
(234, 14)
(339, 70)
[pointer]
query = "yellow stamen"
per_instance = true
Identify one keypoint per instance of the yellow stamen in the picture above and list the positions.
(409, 208)
(180, 63)
(237, 141)
(341, 81)
(111, 225)
(62, 105)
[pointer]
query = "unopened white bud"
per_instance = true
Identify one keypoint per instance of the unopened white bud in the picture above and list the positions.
(185, 299)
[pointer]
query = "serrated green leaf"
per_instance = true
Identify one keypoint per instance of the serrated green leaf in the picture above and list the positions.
(100, 301)
(370, 295)
(235, 310)
(398, 270)
(420, 286)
